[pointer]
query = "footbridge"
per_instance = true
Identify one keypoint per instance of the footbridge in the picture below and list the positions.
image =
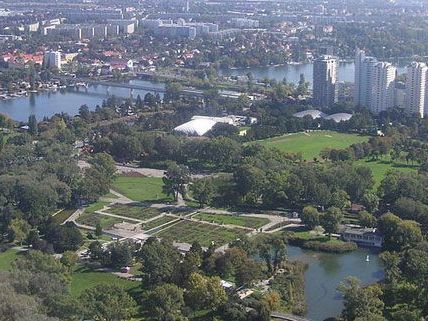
(287, 317)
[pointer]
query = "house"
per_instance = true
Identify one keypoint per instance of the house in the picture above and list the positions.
(362, 236)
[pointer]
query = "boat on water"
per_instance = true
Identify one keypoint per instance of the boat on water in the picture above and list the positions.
(367, 258)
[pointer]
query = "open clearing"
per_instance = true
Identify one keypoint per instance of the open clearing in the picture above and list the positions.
(141, 188)
(6, 258)
(189, 232)
(245, 221)
(84, 278)
(312, 143)
(381, 167)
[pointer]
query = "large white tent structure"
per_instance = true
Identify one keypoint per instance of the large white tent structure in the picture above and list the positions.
(315, 114)
(339, 117)
(196, 127)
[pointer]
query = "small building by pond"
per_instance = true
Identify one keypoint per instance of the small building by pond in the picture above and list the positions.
(362, 236)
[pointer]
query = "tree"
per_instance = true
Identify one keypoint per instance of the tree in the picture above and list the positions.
(359, 301)
(273, 300)
(340, 199)
(310, 217)
(398, 234)
(370, 202)
(203, 191)
(107, 302)
(64, 237)
(175, 180)
(84, 113)
(20, 229)
(165, 303)
(159, 261)
(121, 254)
(98, 230)
(205, 292)
(366, 219)
(32, 125)
(69, 259)
(18, 306)
(105, 164)
(172, 91)
(331, 219)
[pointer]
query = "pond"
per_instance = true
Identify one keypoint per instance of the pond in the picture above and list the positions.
(326, 271)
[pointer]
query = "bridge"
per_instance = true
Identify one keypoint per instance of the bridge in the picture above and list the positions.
(287, 317)
(186, 91)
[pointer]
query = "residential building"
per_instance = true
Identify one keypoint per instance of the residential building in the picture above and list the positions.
(325, 81)
(382, 87)
(416, 88)
(52, 59)
(363, 78)
(245, 23)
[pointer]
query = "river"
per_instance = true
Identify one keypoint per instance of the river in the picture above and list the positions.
(325, 272)
(69, 100)
(292, 72)
(66, 100)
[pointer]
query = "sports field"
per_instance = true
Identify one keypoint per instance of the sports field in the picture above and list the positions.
(312, 143)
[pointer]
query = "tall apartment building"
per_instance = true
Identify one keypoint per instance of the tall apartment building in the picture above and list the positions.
(325, 81)
(363, 77)
(52, 59)
(374, 86)
(416, 89)
(382, 87)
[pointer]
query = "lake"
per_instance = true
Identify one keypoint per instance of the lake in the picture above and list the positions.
(325, 272)
(292, 72)
(66, 100)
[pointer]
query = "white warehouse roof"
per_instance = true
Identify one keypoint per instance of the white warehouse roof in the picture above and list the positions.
(196, 127)
(314, 113)
(339, 117)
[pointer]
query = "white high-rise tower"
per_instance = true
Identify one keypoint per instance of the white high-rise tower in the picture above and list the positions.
(382, 87)
(415, 88)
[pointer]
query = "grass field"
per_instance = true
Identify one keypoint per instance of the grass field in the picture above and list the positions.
(6, 259)
(158, 222)
(141, 188)
(189, 232)
(139, 212)
(381, 167)
(84, 278)
(245, 221)
(311, 144)
(106, 222)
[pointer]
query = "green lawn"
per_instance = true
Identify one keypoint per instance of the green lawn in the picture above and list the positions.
(158, 222)
(137, 211)
(84, 278)
(141, 188)
(381, 167)
(245, 221)
(189, 232)
(312, 143)
(6, 259)
(92, 219)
